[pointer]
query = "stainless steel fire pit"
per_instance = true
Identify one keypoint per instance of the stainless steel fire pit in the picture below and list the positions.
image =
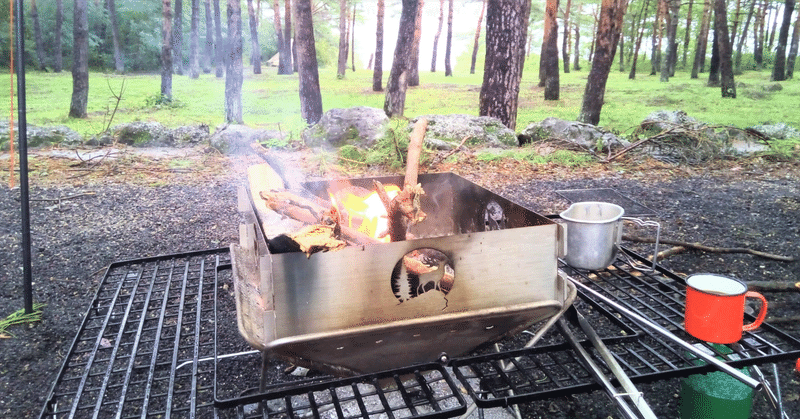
(342, 312)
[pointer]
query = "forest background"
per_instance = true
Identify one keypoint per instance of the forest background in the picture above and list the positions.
(754, 27)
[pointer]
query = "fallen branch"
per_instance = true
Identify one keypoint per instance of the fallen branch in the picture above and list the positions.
(710, 249)
(773, 286)
(450, 153)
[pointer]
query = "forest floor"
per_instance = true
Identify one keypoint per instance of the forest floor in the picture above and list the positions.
(119, 204)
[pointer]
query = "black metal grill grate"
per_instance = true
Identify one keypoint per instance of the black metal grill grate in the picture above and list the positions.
(554, 370)
(138, 352)
(146, 346)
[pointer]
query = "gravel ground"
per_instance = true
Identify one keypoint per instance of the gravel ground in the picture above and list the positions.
(133, 209)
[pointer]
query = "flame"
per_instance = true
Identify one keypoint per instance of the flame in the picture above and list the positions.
(371, 210)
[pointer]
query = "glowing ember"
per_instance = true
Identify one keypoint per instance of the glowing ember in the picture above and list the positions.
(371, 210)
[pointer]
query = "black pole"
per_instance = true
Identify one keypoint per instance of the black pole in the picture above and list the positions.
(24, 198)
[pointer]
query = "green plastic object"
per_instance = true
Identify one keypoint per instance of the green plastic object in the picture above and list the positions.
(715, 395)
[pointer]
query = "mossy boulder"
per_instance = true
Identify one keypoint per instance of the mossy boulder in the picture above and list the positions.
(447, 131)
(40, 136)
(586, 136)
(359, 126)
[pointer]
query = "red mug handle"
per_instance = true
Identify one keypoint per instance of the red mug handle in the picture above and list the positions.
(762, 313)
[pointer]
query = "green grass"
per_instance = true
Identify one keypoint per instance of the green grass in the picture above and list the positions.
(20, 317)
(271, 101)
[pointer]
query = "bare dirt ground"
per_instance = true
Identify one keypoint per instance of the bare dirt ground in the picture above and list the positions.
(116, 204)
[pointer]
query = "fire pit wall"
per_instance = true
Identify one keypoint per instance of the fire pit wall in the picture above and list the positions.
(504, 264)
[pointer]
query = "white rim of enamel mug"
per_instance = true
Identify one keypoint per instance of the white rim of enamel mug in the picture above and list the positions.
(743, 286)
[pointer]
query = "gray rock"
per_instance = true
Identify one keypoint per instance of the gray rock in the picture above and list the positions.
(772, 87)
(447, 131)
(778, 131)
(360, 126)
(40, 136)
(153, 134)
(586, 136)
(235, 139)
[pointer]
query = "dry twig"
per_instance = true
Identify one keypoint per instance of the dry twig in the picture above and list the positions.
(710, 249)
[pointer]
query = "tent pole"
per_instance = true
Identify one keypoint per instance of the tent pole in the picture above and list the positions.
(24, 197)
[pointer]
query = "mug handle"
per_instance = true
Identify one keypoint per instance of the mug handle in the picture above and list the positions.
(762, 313)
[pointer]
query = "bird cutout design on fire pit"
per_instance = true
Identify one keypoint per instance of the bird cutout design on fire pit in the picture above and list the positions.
(493, 217)
(420, 271)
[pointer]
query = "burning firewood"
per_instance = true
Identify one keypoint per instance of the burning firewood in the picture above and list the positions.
(404, 210)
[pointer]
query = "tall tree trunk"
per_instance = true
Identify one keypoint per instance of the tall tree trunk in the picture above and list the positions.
(177, 38)
(119, 58)
(448, 70)
(779, 67)
(194, 41)
(736, 19)
(255, 53)
(565, 44)
(219, 45)
(621, 53)
(353, 40)
(727, 82)
(80, 61)
(396, 86)
(790, 60)
(310, 95)
(713, 69)
(758, 38)
(577, 64)
(37, 36)
(550, 57)
(632, 74)
(774, 15)
(596, 16)
(476, 40)
(439, 33)
(702, 40)
(58, 63)
(506, 33)
(609, 28)
(377, 71)
(661, 17)
(737, 62)
(166, 50)
(290, 49)
(209, 55)
(234, 65)
(687, 36)
(276, 24)
(413, 71)
(342, 62)
(668, 65)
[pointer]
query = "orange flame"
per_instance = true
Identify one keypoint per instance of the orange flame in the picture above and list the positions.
(371, 210)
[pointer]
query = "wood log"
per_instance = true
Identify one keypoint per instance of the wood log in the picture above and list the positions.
(710, 249)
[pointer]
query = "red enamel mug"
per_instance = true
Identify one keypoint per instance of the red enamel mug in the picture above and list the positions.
(715, 308)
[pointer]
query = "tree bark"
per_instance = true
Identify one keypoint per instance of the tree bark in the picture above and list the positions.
(234, 65)
(758, 38)
(177, 38)
(737, 62)
(439, 33)
(702, 41)
(209, 54)
(342, 62)
(194, 41)
(288, 40)
(413, 73)
(790, 60)
(353, 40)
(80, 61)
(565, 44)
(608, 29)
(668, 65)
(219, 45)
(736, 19)
(58, 62)
(687, 36)
(550, 56)
(724, 49)
(774, 14)
(448, 70)
(658, 36)
(255, 53)
(276, 24)
(779, 67)
(396, 86)
(166, 50)
(37, 37)
(307, 68)
(377, 72)
(506, 34)
(577, 64)
(632, 74)
(119, 58)
(477, 39)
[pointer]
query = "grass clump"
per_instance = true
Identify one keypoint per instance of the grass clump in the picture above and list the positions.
(565, 158)
(20, 317)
